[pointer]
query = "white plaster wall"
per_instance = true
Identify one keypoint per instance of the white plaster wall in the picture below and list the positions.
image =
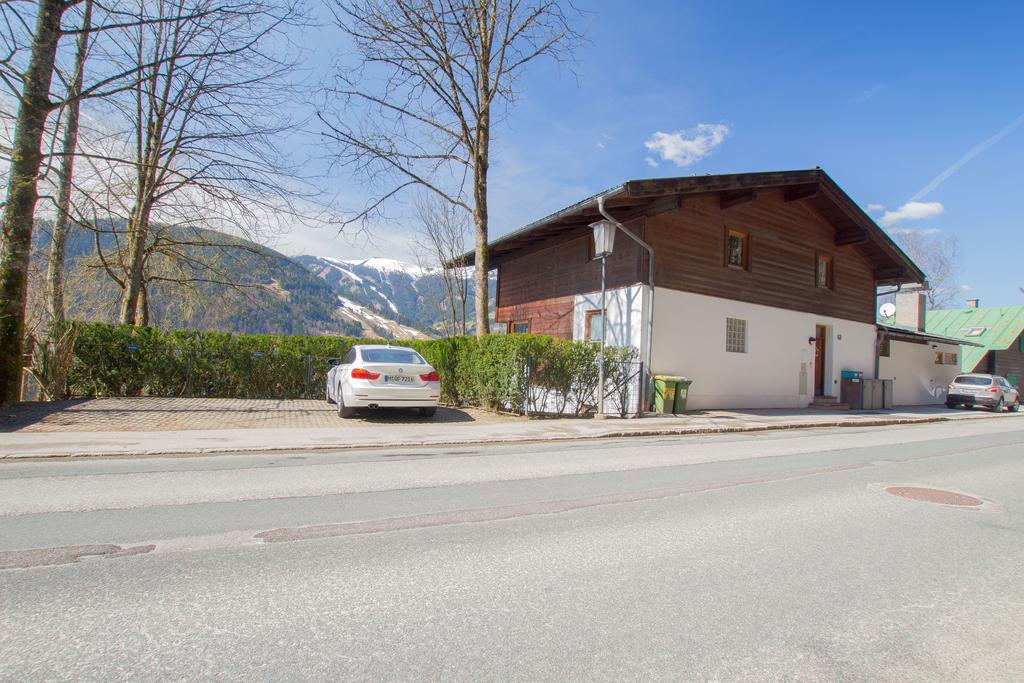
(625, 325)
(917, 380)
(778, 369)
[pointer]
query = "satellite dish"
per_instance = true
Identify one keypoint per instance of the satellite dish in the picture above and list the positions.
(887, 310)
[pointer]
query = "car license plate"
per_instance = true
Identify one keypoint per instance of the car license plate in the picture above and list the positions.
(398, 379)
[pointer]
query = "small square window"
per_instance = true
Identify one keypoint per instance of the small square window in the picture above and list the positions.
(737, 249)
(592, 327)
(885, 348)
(823, 272)
(735, 335)
(519, 327)
(949, 359)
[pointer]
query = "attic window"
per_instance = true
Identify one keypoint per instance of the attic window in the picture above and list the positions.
(823, 272)
(973, 331)
(737, 249)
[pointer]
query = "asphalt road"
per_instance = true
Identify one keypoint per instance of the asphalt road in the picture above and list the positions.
(757, 556)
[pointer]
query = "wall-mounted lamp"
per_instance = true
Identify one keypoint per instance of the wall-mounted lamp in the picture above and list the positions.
(812, 340)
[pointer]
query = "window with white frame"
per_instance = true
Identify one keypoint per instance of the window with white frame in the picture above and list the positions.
(735, 335)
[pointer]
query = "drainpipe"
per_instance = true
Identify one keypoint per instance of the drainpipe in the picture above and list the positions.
(650, 284)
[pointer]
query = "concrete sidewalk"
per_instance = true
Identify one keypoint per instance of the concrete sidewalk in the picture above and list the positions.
(457, 428)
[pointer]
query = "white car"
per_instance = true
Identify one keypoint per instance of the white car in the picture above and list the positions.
(377, 376)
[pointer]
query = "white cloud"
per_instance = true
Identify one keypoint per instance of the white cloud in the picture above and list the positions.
(651, 162)
(875, 208)
(912, 211)
(600, 146)
(687, 147)
(914, 231)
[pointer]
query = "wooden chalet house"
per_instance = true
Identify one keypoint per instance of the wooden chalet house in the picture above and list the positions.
(764, 284)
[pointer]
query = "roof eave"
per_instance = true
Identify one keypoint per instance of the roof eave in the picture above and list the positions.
(469, 258)
(907, 332)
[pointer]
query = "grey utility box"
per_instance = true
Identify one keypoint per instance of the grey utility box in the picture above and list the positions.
(877, 394)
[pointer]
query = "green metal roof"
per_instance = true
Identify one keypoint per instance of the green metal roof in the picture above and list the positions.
(999, 329)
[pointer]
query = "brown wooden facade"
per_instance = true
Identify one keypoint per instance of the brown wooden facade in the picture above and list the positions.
(1006, 362)
(791, 230)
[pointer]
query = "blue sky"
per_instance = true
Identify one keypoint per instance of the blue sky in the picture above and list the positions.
(886, 97)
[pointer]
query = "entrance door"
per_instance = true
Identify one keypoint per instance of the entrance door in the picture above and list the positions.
(819, 361)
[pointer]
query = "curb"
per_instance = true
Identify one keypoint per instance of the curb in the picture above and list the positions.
(636, 433)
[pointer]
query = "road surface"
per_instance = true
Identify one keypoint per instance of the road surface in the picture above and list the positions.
(745, 556)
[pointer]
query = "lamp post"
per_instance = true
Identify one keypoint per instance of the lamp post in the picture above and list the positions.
(604, 243)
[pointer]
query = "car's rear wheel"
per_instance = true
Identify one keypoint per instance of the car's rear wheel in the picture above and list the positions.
(950, 404)
(1016, 406)
(428, 412)
(343, 410)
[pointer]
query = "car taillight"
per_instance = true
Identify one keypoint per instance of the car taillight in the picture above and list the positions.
(360, 373)
(430, 377)
(993, 390)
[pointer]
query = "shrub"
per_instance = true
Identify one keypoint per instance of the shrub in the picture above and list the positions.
(515, 372)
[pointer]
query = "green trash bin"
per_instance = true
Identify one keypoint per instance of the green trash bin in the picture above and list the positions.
(666, 393)
(682, 391)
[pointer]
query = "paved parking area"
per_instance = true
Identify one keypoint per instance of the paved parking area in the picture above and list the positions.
(176, 414)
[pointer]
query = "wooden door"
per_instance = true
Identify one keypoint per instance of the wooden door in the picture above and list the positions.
(819, 361)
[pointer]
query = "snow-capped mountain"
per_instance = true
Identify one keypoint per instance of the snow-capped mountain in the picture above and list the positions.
(408, 294)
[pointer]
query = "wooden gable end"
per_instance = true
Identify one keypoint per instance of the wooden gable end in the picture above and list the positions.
(786, 238)
(540, 284)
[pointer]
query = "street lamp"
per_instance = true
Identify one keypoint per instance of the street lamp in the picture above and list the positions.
(604, 243)
(604, 237)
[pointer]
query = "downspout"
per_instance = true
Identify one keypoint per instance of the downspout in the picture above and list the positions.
(649, 355)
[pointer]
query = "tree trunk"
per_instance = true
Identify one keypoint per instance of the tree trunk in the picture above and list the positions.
(142, 312)
(482, 266)
(480, 168)
(22, 194)
(138, 234)
(69, 145)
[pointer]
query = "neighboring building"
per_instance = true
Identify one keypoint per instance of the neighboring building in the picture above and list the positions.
(999, 332)
(921, 364)
(764, 283)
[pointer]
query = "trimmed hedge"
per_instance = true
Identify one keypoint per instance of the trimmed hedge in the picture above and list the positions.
(517, 372)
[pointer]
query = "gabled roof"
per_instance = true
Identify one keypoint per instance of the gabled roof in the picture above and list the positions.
(635, 198)
(995, 329)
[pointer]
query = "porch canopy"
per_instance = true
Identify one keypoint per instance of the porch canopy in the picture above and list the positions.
(906, 334)
(637, 198)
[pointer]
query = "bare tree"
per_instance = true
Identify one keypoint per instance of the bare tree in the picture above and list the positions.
(444, 233)
(430, 81)
(203, 122)
(938, 256)
(22, 194)
(69, 146)
(30, 35)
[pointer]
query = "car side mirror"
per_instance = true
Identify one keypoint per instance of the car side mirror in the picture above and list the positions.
(333, 361)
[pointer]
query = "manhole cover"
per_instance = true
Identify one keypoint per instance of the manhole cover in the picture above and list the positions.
(937, 496)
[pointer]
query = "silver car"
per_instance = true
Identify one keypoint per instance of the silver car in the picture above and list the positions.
(378, 376)
(991, 391)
